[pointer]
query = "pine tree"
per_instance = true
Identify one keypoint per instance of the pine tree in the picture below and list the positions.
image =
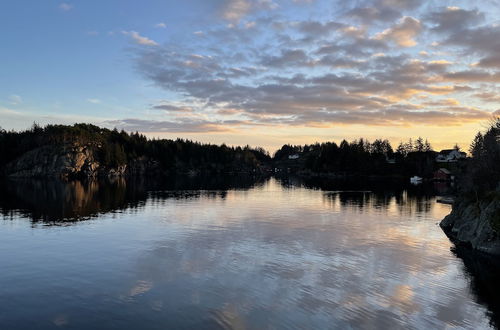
(427, 146)
(419, 144)
(476, 147)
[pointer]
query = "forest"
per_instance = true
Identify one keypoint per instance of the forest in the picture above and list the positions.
(362, 157)
(114, 148)
(483, 173)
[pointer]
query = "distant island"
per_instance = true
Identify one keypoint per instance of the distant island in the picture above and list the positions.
(85, 150)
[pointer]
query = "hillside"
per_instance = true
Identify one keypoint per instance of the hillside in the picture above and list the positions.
(84, 150)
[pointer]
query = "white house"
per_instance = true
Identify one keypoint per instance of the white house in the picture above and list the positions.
(450, 156)
(294, 156)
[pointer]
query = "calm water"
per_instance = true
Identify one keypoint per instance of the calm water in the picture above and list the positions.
(258, 254)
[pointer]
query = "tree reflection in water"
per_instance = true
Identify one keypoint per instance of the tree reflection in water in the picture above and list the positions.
(51, 202)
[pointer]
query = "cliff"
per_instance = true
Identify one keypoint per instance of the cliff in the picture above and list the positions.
(72, 161)
(475, 224)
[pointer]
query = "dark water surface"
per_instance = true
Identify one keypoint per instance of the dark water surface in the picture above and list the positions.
(235, 254)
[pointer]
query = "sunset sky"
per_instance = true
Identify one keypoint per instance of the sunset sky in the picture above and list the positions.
(261, 72)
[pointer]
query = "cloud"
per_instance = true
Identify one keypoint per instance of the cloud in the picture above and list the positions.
(473, 76)
(144, 125)
(287, 57)
(172, 108)
(15, 99)
(161, 25)
(65, 6)
(330, 99)
(401, 4)
(482, 41)
(450, 102)
(140, 40)
(403, 33)
(373, 98)
(324, 71)
(94, 101)
(490, 61)
(315, 28)
(453, 19)
(372, 14)
(488, 97)
(235, 10)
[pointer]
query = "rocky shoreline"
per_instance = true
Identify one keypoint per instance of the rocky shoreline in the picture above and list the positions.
(474, 224)
(73, 161)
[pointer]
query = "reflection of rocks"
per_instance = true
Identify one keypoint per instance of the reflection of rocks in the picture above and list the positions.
(484, 273)
(54, 200)
(58, 200)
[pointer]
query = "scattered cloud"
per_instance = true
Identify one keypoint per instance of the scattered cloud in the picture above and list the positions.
(482, 41)
(323, 72)
(452, 19)
(140, 40)
(403, 33)
(235, 10)
(144, 125)
(369, 15)
(493, 97)
(15, 99)
(172, 108)
(289, 63)
(65, 6)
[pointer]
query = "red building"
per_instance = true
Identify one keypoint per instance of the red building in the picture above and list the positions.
(442, 175)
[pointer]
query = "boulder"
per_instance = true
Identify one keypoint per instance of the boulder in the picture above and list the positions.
(475, 224)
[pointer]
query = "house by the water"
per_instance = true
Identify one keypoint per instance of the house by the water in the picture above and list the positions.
(443, 174)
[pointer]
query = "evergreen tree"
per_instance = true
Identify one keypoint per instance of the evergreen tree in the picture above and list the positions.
(419, 145)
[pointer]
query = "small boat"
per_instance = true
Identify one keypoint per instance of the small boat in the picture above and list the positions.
(416, 179)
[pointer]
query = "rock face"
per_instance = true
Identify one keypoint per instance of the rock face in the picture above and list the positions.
(473, 224)
(71, 161)
(61, 161)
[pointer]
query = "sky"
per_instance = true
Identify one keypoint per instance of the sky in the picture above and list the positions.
(257, 72)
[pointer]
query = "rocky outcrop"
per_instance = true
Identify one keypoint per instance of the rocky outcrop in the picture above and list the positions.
(73, 161)
(55, 161)
(474, 224)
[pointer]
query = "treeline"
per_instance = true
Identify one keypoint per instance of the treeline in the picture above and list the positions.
(361, 157)
(483, 173)
(114, 148)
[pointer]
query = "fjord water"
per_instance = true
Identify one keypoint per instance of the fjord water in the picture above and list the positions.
(231, 253)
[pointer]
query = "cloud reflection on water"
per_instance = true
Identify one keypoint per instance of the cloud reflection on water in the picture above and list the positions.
(272, 253)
